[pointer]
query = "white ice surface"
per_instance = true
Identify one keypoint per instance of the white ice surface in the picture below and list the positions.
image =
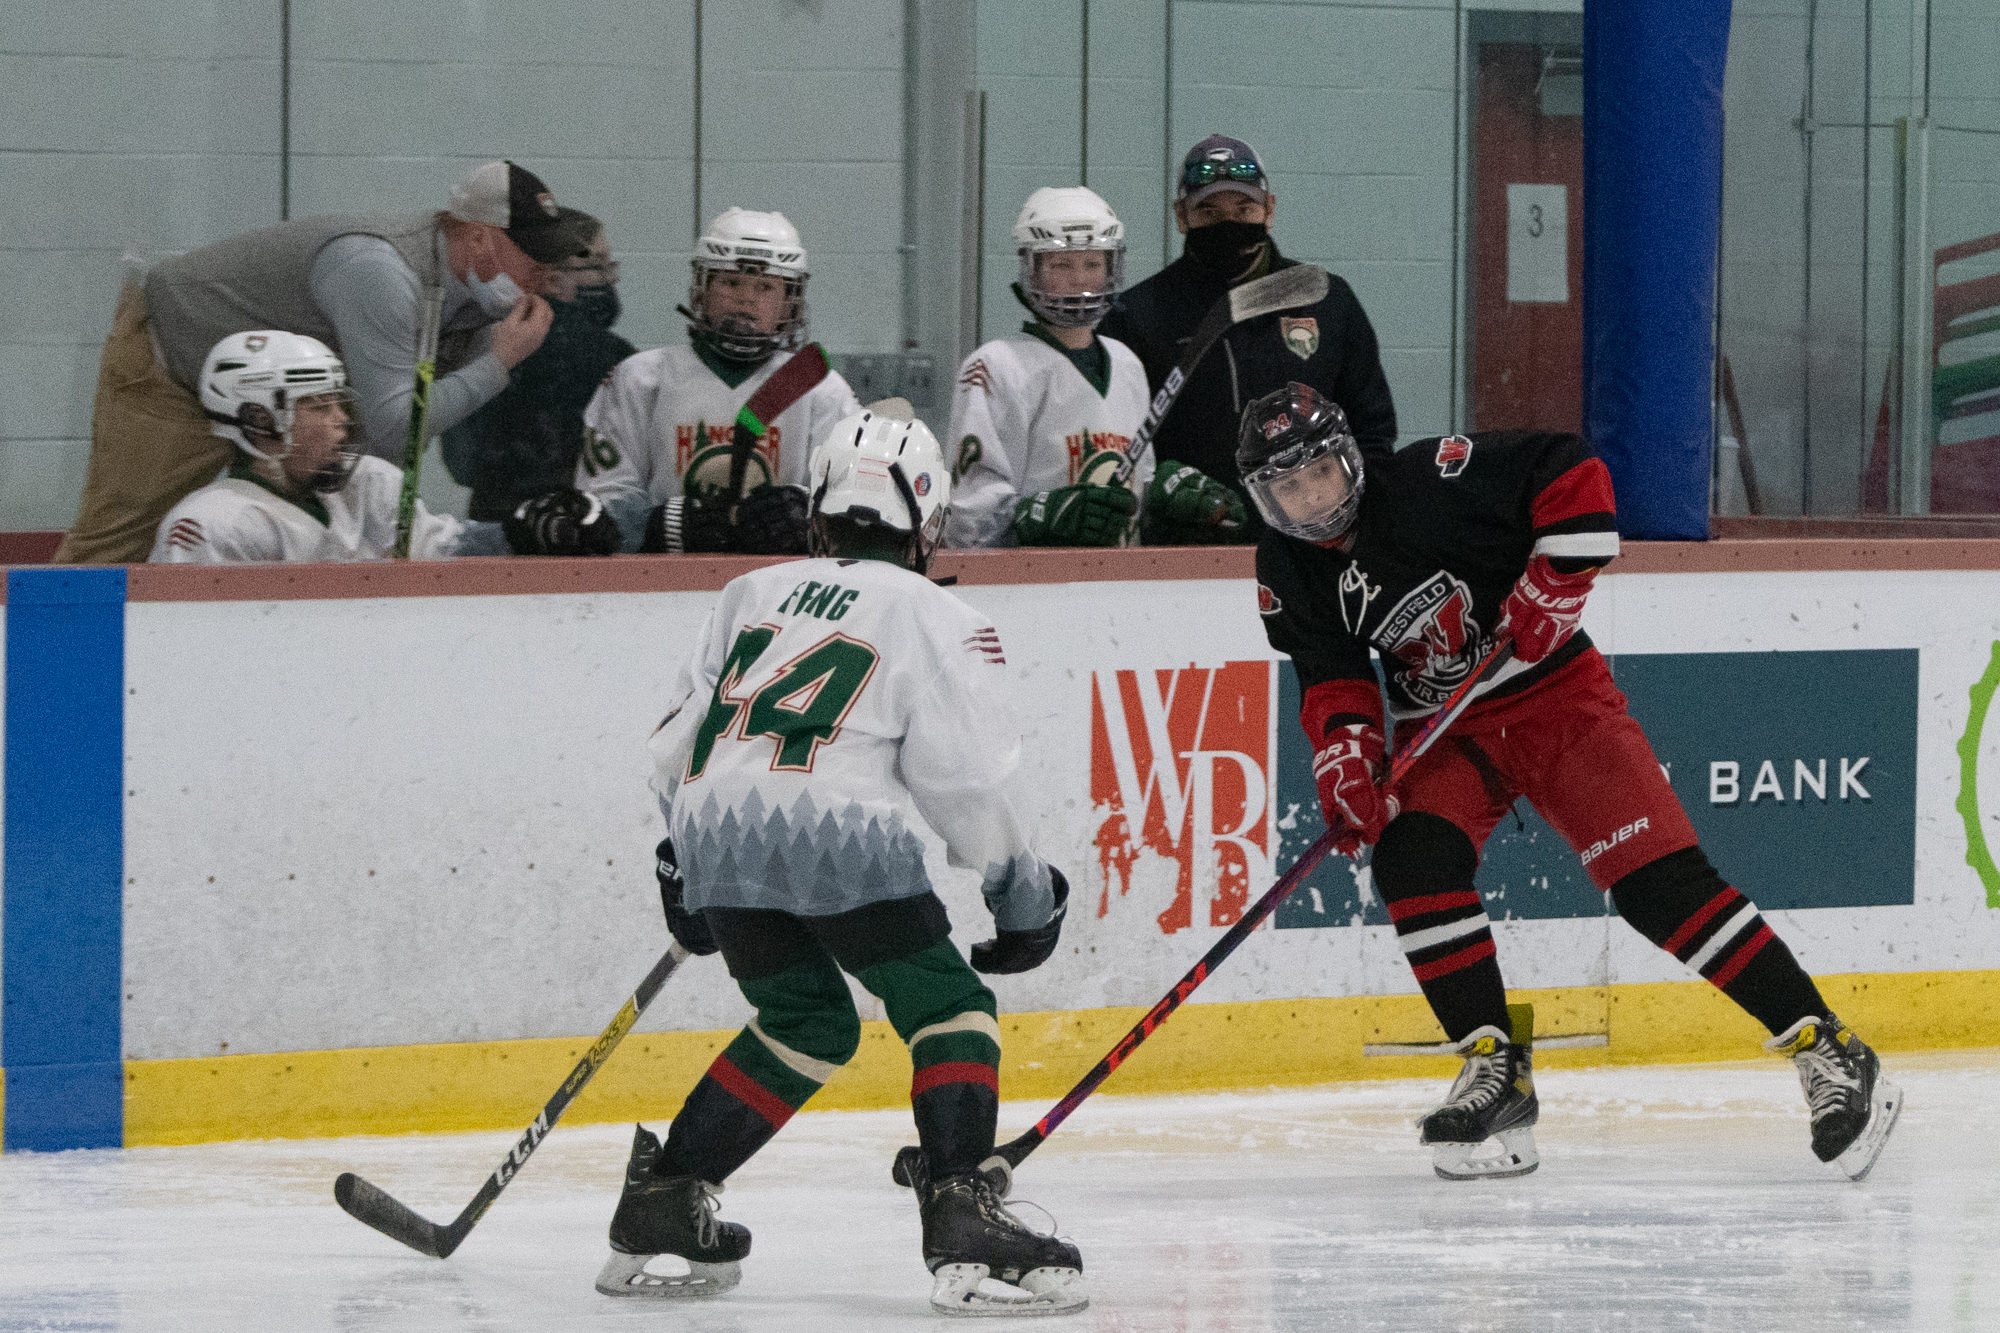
(1669, 1198)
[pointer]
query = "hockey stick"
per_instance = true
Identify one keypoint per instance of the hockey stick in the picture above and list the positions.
(365, 1203)
(431, 314)
(1287, 289)
(910, 1159)
(788, 383)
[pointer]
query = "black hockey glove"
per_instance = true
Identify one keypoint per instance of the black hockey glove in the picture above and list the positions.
(566, 522)
(771, 520)
(1022, 950)
(688, 927)
(688, 525)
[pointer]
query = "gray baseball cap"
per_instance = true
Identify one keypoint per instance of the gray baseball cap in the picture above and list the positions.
(1221, 163)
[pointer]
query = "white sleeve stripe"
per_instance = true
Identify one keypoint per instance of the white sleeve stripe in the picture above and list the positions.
(1579, 545)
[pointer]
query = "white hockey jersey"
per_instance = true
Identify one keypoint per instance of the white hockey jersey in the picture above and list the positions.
(1026, 420)
(826, 699)
(663, 416)
(234, 520)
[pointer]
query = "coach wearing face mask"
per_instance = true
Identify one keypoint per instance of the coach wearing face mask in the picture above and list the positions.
(354, 282)
(1224, 206)
(525, 442)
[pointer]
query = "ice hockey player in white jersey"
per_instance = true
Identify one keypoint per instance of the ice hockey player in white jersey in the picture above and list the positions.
(1040, 418)
(828, 702)
(658, 436)
(293, 492)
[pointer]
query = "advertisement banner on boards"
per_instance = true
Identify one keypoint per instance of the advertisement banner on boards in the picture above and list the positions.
(1798, 771)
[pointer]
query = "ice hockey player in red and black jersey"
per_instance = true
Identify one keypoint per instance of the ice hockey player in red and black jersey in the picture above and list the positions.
(1431, 557)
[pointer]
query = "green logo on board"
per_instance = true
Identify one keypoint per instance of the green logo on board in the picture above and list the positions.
(1977, 854)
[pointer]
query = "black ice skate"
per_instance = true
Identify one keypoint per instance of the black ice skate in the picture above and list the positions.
(1494, 1098)
(1853, 1106)
(669, 1215)
(986, 1262)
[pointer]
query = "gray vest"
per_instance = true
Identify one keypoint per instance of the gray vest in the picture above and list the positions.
(263, 280)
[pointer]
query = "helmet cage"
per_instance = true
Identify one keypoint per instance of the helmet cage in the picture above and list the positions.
(1078, 310)
(733, 335)
(1262, 484)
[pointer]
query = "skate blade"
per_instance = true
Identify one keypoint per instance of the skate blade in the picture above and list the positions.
(1463, 1161)
(627, 1275)
(968, 1291)
(1859, 1159)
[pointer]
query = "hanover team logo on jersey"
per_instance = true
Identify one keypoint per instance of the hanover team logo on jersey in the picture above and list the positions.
(1301, 335)
(1268, 602)
(1180, 764)
(1454, 452)
(977, 376)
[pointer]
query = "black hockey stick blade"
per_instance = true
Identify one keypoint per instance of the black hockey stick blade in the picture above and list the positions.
(371, 1204)
(365, 1203)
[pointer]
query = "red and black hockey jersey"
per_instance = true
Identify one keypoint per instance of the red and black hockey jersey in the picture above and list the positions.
(1446, 527)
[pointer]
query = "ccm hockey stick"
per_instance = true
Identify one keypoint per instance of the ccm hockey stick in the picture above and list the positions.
(431, 315)
(366, 1203)
(1287, 289)
(909, 1161)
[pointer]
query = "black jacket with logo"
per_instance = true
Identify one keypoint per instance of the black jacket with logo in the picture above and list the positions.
(1156, 318)
(1446, 527)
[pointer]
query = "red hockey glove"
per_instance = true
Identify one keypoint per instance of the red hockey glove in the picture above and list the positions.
(1542, 611)
(1349, 773)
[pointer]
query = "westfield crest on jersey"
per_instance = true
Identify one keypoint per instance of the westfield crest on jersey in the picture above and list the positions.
(1180, 774)
(1432, 632)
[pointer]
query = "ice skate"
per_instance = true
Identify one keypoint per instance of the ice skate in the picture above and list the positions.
(666, 1224)
(986, 1262)
(1853, 1106)
(1493, 1098)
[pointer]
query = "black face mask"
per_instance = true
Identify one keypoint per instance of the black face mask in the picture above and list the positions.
(595, 305)
(1226, 245)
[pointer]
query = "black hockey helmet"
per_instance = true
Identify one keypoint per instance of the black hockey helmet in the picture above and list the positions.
(1300, 463)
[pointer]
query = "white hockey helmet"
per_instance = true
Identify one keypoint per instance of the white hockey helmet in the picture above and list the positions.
(1059, 218)
(879, 482)
(252, 383)
(741, 241)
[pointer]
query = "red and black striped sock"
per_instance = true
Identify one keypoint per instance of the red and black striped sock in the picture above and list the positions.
(746, 1096)
(945, 1012)
(1681, 904)
(1423, 869)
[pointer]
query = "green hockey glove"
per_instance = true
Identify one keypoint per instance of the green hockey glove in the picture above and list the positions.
(1186, 506)
(1074, 516)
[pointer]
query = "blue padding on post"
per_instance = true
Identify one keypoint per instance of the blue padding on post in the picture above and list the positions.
(51, 1108)
(64, 858)
(1652, 190)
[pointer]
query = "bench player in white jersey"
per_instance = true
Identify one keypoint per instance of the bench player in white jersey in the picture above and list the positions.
(293, 492)
(1040, 418)
(658, 437)
(826, 704)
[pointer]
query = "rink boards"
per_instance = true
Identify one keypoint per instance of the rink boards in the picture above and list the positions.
(333, 850)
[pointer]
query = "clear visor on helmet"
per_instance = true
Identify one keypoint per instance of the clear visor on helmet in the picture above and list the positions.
(1072, 287)
(1311, 491)
(317, 429)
